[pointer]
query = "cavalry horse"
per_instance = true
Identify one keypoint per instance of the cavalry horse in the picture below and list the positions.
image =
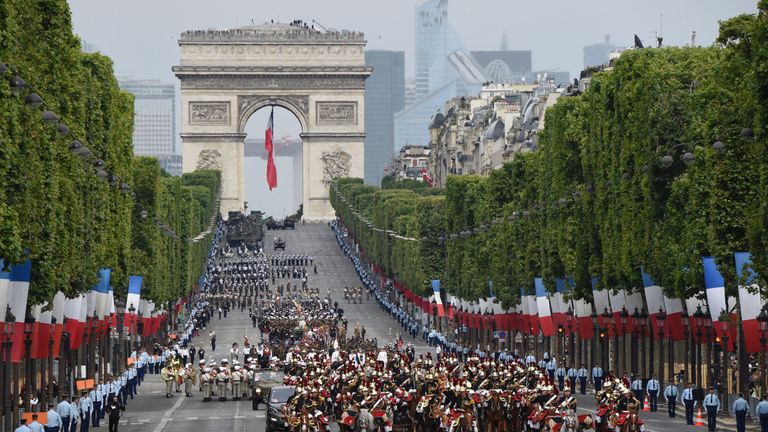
(495, 414)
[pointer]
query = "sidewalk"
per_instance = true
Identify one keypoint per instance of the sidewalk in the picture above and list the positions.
(660, 420)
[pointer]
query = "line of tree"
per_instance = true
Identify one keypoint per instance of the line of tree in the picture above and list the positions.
(53, 209)
(596, 199)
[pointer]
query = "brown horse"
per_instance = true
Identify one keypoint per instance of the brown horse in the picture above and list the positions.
(495, 414)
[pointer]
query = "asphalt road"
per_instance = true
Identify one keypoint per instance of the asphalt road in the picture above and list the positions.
(152, 412)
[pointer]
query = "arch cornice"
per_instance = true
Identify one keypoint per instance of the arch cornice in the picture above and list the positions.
(298, 105)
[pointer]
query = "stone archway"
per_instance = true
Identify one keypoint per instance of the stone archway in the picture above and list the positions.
(227, 75)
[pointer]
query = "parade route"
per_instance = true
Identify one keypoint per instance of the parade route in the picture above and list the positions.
(152, 412)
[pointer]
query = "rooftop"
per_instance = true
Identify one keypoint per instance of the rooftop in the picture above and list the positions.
(295, 31)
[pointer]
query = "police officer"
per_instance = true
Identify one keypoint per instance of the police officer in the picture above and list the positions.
(653, 392)
(86, 406)
(572, 374)
(689, 403)
(560, 374)
(637, 390)
(670, 395)
(597, 377)
(712, 405)
(582, 375)
(740, 409)
(551, 369)
(761, 411)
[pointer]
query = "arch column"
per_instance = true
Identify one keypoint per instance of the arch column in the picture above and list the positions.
(328, 156)
(222, 151)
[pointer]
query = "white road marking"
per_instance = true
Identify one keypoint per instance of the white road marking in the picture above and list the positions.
(167, 416)
(213, 418)
(192, 418)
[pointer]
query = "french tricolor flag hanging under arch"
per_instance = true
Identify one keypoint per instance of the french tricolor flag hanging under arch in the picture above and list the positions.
(14, 290)
(268, 146)
(543, 308)
(749, 302)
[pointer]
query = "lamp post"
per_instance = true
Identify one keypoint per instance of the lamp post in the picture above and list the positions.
(434, 315)
(698, 320)
(117, 351)
(94, 337)
(661, 318)
(707, 324)
(561, 343)
(571, 336)
(636, 323)
(29, 324)
(607, 319)
(762, 319)
(724, 325)
(624, 316)
(10, 321)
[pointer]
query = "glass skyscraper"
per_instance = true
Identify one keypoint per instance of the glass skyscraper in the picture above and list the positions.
(384, 96)
(443, 70)
(154, 123)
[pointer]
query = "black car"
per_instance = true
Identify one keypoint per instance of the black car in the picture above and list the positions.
(279, 244)
(276, 398)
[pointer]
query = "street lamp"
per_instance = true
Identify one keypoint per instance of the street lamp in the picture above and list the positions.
(118, 351)
(661, 318)
(698, 320)
(762, 319)
(624, 317)
(607, 320)
(434, 313)
(10, 322)
(29, 324)
(724, 325)
(571, 348)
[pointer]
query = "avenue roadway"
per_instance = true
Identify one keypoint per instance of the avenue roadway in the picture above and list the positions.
(152, 412)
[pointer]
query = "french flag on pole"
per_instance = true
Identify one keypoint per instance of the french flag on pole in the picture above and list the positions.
(583, 311)
(436, 297)
(715, 285)
(76, 312)
(14, 290)
(525, 312)
(134, 299)
(749, 302)
(601, 302)
(41, 331)
(59, 306)
(543, 308)
(655, 298)
(100, 295)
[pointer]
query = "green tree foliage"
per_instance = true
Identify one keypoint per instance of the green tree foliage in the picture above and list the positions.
(414, 215)
(596, 200)
(53, 208)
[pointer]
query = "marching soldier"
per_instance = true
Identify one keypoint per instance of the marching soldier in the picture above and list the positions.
(222, 379)
(206, 381)
(237, 381)
(190, 379)
(168, 375)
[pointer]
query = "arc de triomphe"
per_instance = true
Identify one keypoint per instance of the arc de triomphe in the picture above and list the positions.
(226, 75)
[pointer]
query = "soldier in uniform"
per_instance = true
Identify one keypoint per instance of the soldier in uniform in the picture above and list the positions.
(190, 379)
(206, 381)
(168, 375)
(222, 379)
(237, 382)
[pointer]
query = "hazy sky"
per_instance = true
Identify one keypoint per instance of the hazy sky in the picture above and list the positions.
(140, 35)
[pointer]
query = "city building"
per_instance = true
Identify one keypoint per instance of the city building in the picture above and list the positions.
(154, 123)
(443, 70)
(476, 135)
(412, 162)
(599, 53)
(505, 66)
(384, 96)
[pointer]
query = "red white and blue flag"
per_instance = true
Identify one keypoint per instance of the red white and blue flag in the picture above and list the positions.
(749, 302)
(543, 308)
(436, 297)
(268, 146)
(14, 290)
(134, 299)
